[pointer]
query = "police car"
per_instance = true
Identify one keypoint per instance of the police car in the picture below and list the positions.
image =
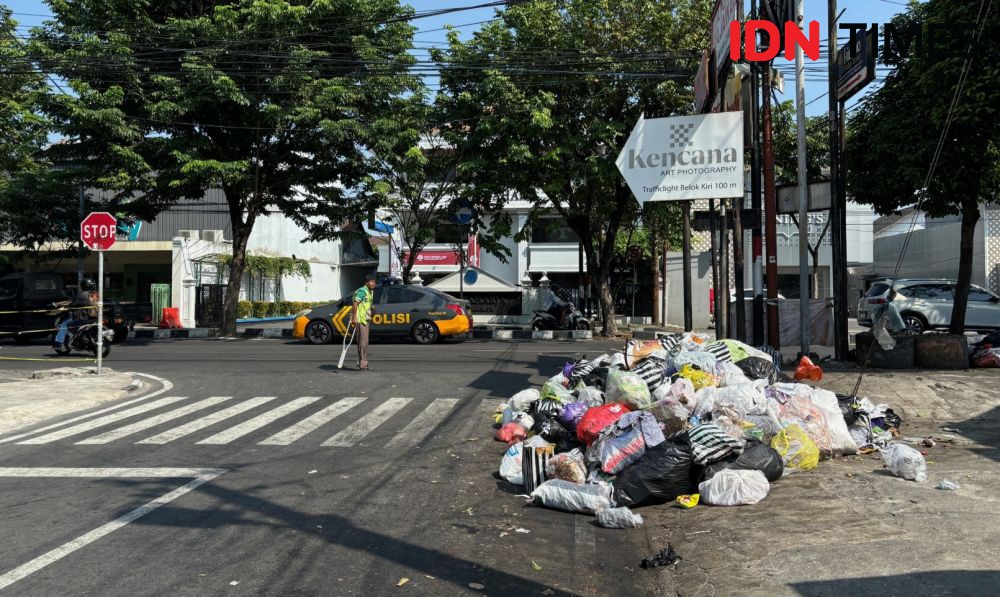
(424, 314)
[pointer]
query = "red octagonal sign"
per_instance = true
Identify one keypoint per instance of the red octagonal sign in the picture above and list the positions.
(98, 230)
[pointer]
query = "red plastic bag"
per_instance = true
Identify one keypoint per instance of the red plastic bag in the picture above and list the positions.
(807, 370)
(511, 433)
(597, 420)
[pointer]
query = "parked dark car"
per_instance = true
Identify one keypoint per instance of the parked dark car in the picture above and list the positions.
(26, 307)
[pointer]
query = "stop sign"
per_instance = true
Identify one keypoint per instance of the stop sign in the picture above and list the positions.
(98, 230)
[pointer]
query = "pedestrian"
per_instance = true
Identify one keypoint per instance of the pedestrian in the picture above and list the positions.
(360, 317)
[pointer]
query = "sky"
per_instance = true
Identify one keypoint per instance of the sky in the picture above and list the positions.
(431, 33)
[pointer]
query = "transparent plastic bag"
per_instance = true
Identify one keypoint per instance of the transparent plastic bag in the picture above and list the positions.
(699, 379)
(618, 518)
(904, 461)
(552, 390)
(591, 396)
(510, 464)
(629, 389)
(799, 409)
(523, 399)
(568, 466)
(797, 450)
(729, 374)
(705, 361)
(672, 414)
(734, 487)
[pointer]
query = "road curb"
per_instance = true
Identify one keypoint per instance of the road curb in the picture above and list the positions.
(508, 335)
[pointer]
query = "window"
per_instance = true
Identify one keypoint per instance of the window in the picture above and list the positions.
(399, 295)
(552, 230)
(448, 234)
(929, 292)
(43, 285)
(979, 295)
(8, 289)
(877, 289)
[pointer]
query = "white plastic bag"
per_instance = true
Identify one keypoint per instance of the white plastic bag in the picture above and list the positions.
(618, 518)
(734, 487)
(510, 464)
(748, 396)
(841, 440)
(523, 399)
(903, 461)
(524, 420)
(703, 360)
(730, 375)
(563, 495)
(591, 396)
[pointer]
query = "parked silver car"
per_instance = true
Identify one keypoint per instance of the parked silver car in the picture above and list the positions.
(927, 303)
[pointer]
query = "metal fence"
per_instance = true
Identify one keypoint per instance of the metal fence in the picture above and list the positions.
(208, 304)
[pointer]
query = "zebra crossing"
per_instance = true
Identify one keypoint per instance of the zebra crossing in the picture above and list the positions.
(345, 422)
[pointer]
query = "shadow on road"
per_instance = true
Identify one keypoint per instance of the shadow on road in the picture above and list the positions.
(944, 582)
(985, 430)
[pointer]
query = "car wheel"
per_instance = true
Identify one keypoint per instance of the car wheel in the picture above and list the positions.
(318, 332)
(425, 332)
(915, 324)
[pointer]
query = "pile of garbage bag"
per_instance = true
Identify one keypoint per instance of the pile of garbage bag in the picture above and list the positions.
(678, 418)
(986, 353)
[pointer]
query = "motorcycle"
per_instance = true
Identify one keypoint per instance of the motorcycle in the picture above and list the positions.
(548, 319)
(83, 338)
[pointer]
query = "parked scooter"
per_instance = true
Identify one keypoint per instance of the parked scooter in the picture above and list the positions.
(83, 338)
(548, 319)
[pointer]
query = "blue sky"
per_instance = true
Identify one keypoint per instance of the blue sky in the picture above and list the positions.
(430, 32)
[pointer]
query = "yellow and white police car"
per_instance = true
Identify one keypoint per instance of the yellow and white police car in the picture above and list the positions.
(424, 314)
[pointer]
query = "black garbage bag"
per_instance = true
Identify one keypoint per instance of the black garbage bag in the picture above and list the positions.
(756, 456)
(569, 443)
(550, 430)
(597, 378)
(545, 409)
(892, 419)
(758, 368)
(662, 474)
(848, 408)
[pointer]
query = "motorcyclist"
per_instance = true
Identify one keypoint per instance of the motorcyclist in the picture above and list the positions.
(558, 307)
(83, 309)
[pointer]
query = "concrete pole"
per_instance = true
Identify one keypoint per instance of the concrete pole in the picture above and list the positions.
(800, 106)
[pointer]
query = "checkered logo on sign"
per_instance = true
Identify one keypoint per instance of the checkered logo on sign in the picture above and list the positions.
(681, 134)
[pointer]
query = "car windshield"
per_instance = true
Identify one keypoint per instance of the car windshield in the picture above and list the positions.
(877, 289)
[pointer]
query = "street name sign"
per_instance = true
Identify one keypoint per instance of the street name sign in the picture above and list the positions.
(685, 157)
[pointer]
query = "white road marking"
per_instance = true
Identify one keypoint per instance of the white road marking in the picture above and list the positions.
(201, 476)
(198, 424)
(356, 431)
(422, 425)
(167, 386)
(102, 421)
(313, 422)
(238, 431)
(151, 422)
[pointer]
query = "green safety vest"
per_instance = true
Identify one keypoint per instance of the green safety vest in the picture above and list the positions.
(363, 296)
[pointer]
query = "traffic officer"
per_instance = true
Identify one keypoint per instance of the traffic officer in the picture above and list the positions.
(360, 318)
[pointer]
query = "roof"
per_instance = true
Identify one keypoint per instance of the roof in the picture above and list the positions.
(487, 283)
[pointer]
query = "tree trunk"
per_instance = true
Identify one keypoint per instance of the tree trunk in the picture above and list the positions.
(603, 284)
(970, 217)
(241, 234)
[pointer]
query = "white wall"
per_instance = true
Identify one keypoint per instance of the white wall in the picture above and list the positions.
(701, 282)
(932, 253)
(276, 235)
(860, 228)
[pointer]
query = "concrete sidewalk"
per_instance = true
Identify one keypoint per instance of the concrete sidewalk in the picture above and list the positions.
(28, 397)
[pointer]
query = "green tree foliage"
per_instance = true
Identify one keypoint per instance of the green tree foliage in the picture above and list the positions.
(421, 176)
(22, 136)
(271, 101)
(550, 91)
(950, 94)
(786, 145)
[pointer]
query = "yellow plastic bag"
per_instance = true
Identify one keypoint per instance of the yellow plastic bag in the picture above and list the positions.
(688, 501)
(796, 449)
(699, 379)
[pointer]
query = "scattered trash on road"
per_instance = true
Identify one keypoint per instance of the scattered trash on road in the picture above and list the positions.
(946, 484)
(402, 581)
(618, 518)
(665, 557)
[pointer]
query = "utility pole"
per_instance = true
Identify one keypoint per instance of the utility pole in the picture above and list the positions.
(79, 256)
(800, 108)
(838, 206)
(771, 209)
(755, 201)
(724, 274)
(716, 287)
(741, 315)
(686, 267)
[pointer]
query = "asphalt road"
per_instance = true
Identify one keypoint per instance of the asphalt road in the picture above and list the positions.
(267, 471)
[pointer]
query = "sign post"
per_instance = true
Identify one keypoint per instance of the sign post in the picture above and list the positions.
(98, 233)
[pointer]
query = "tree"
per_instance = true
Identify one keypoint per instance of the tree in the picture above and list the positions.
(22, 136)
(549, 90)
(937, 113)
(786, 145)
(271, 101)
(422, 179)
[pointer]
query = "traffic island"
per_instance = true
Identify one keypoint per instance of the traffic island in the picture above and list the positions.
(27, 397)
